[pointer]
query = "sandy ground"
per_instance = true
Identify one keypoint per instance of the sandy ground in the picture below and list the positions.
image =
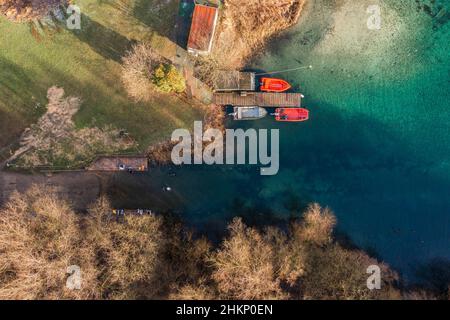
(79, 188)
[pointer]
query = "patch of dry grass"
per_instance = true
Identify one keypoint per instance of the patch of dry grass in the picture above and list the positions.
(54, 140)
(244, 28)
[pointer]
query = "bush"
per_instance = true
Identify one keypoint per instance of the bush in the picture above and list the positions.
(145, 73)
(318, 224)
(136, 72)
(244, 265)
(335, 273)
(167, 79)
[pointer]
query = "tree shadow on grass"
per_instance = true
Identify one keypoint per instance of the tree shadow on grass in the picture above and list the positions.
(11, 125)
(160, 16)
(104, 41)
(22, 100)
(18, 88)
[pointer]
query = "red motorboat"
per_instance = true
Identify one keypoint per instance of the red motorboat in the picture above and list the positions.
(291, 114)
(274, 85)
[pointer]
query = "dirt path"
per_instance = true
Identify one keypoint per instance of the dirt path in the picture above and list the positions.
(80, 188)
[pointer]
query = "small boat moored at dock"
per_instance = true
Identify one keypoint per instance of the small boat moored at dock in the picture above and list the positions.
(291, 114)
(274, 85)
(248, 113)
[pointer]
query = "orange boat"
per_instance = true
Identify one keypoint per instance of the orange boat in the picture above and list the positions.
(291, 114)
(274, 85)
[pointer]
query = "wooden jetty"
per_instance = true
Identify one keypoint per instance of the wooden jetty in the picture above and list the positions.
(132, 212)
(260, 99)
(120, 163)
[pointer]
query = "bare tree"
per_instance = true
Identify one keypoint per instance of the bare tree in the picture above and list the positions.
(39, 240)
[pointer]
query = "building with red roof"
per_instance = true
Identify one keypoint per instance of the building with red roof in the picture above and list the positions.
(203, 27)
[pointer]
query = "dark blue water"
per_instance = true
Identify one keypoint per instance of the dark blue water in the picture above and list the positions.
(377, 146)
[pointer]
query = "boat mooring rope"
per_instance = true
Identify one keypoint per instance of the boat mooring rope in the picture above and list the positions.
(282, 71)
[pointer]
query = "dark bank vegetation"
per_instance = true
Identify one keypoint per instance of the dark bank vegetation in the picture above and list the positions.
(154, 257)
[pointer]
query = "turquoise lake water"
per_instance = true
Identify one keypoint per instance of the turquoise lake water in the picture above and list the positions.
(376, 149)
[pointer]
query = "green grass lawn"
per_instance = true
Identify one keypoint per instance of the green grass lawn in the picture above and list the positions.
(86, 64)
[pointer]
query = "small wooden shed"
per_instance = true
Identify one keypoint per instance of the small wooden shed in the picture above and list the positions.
(234, 81)
(203, 27)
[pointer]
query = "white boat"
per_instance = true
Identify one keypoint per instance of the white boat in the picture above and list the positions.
(248, 113)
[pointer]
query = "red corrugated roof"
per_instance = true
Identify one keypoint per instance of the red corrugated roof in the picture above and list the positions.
(202, 27)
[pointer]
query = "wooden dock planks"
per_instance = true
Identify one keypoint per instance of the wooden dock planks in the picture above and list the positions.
(261, 99)
(228, 81)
